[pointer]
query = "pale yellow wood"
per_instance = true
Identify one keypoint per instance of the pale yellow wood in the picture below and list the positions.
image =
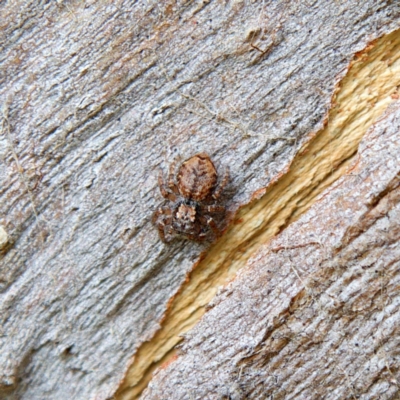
(362, 97)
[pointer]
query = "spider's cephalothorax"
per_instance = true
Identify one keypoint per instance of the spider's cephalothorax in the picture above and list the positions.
(193, 195)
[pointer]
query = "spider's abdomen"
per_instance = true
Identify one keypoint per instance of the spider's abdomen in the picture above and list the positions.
(197, 177)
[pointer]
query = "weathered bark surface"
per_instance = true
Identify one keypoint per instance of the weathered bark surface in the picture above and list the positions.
(315, 314)
(95, 97)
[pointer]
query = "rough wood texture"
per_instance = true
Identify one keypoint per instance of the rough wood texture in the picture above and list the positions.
(368, 88)
(315, 314)
(94, 98)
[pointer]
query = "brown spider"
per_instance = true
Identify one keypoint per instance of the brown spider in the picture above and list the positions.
(193, 193)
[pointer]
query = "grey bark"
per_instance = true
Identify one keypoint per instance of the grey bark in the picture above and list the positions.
(95, 98)
(315, 314)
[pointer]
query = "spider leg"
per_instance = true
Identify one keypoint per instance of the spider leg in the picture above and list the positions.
(170, 232)
(164, 189)
(171, 177)
(164, 224)
(196, 238)
(221, 185)
(213, 209)
(161, 233)
(161, 211)
(211, 223)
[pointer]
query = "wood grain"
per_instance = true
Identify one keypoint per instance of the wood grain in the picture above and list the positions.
(315, 313)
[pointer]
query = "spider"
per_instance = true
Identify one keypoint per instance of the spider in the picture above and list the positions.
(193, 193)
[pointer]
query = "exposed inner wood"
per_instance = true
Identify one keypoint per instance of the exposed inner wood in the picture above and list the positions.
(362, 96)
(316, 305)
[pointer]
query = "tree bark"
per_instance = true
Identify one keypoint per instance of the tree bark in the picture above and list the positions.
(315, 312)
(97, 97)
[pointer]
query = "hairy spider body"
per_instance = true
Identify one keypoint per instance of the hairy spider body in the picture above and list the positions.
(192, 193)
(197, 177)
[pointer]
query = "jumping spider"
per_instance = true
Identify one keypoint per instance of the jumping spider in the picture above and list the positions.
(193, 193)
